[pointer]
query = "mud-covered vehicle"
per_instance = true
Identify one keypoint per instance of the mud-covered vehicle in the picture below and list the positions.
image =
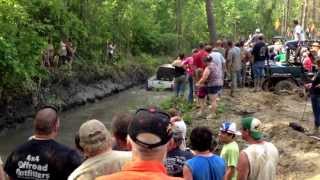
(281, 78)
(290, 75)
(163, 79)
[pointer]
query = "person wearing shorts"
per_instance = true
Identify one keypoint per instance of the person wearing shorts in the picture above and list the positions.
(213, 79)
(260, 54)
(201, 92)
(213, 89)
(258, 69)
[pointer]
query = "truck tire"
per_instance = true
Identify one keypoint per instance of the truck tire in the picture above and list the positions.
(266, 85)
(285, 86)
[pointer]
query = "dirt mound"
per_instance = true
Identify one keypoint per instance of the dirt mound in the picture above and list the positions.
(299, 154)
(247, 102)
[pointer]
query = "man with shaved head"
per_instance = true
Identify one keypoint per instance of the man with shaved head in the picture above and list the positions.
(42, 157)
(46, 123)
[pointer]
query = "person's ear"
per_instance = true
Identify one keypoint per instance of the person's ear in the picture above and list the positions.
(57, 125)
(129, 144)
(171, 143)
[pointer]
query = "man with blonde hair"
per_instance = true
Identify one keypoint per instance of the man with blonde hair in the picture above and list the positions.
(96, 142)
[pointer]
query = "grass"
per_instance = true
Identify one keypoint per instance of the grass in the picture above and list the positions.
(180, 104)
(187, 109)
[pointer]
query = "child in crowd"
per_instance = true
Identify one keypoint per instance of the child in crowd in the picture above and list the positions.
(230, 150)
(200, 92)
(178, 122)
(119, 125)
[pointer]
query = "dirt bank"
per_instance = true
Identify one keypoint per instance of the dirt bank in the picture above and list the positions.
(65, 94)
(299, 154)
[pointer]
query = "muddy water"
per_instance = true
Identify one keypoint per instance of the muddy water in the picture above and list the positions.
(127, 101)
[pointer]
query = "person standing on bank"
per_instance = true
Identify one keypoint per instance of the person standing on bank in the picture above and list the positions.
(212, 78)
(190, 68)
(260, 54)
(180, 75)
(314, 87)
(234, 66)
(298, 32)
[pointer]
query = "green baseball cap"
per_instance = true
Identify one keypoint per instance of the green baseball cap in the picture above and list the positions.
(253, 125)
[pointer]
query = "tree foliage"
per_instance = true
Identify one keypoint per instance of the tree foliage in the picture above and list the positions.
(136, 26)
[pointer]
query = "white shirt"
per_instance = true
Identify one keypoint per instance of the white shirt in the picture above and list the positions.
(298, 31)
(102, 164)
(263, 159)
(63, 49)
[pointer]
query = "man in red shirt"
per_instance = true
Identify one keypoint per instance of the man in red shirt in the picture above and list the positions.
(198, 57)
(149, 133)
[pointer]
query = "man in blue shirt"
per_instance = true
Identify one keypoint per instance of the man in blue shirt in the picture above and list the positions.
(205, 165)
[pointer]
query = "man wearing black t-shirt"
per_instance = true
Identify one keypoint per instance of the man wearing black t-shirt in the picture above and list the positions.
(260, 54)
(42, 158)
(314, 87)
(176, 157)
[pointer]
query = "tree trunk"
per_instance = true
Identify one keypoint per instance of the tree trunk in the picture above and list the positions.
(179, 24)
(286, 17)
(211, 22)
(304, 15)
(283, 20)
(314, 11)
(301, 11)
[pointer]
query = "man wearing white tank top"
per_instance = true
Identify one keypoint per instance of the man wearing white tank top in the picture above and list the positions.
(259, 160)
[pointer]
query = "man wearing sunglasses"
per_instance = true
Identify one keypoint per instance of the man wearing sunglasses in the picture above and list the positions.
(149, 133)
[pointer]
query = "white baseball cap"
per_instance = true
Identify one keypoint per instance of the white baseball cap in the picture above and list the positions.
(230, 127)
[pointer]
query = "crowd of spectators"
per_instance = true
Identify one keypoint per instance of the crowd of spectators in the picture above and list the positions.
(149, 144)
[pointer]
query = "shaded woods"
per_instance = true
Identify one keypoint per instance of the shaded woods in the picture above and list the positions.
(155, 27)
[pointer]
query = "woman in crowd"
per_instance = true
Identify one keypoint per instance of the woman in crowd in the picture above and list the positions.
(212, 78)
(180, 75)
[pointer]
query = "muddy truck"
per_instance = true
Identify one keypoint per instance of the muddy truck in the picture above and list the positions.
(285, 78)
(291, 75)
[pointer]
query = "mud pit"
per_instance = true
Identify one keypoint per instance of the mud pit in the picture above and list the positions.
(299, 154)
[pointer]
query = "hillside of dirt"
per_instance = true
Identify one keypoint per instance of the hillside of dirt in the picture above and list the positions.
(299, 154)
